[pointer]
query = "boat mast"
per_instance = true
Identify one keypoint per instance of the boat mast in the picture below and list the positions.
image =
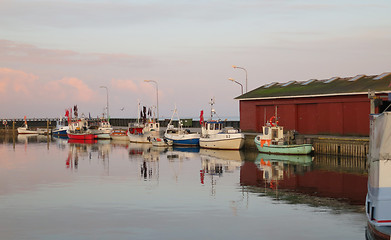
(138, 111)
(172, 116)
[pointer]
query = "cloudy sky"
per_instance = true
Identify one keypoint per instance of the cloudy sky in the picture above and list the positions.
(57, 53)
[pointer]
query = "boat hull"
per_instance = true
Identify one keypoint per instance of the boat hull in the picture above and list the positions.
(23, 130)
(139, 138)
(60, 132)
(222, 142)
(81, 136)
(142, 138)
(159, 142)
(297, 149)
(119, 137)
(103, 136)
(184, 140)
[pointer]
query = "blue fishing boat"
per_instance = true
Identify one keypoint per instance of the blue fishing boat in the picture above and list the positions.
(61, 128)
(180, 136)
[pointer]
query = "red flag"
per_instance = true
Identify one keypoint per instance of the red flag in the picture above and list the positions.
(67, 115)
(202, 117)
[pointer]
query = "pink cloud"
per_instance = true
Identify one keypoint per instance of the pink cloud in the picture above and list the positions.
(124, 85)
(20, 85)
(76, 89)
(16, 82)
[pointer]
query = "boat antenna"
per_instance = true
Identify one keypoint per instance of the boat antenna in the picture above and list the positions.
(212, 102)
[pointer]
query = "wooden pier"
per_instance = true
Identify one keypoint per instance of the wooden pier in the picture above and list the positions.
(357, 147)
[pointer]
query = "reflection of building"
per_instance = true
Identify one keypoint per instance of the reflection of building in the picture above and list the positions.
(304, 178)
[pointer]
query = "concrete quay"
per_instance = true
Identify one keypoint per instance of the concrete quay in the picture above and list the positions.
(323, 144)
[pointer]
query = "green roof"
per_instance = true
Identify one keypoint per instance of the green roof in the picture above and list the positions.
(350, 85)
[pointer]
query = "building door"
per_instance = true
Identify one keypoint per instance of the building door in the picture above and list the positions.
(307, 118)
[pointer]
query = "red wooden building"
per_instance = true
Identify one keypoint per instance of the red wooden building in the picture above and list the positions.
(336, 106)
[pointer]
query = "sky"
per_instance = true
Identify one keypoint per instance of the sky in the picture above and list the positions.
(55, 54)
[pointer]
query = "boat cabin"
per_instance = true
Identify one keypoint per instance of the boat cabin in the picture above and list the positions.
(78, 126)
(212, 127)
(273, 133)
(104, 125)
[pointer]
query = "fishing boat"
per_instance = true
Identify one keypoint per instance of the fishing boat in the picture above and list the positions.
(79, 130)
(179, 135)
(119, 135)
(143, 130)
(161, 142)
(271, 141)
(378, 199)
(61, 128)
(215, 135)
(25, 128)
(101, 129)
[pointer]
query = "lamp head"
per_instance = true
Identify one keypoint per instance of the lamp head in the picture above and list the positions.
(234, 66)
(231, 79)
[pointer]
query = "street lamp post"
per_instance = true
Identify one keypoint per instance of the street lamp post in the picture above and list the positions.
(233, 80)
(107, 101)
(157, 96)
(244, 70)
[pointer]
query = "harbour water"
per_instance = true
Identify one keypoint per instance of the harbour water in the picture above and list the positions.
(61, 189)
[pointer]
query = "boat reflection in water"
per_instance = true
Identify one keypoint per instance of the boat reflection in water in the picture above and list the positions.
(378, 201)
(311, 176)
(85, 149)
(214, 163)
(147, 158)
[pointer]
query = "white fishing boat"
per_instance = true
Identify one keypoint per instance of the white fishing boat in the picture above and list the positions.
(25, 128)
(378, 200)
(215, 135)
(102, 129)
(271, 141)
(143, 130)
(180, 136)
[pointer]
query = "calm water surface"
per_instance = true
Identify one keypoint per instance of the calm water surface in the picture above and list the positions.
(113, 190)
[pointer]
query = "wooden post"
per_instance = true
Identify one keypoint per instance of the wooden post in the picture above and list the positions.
(13, 134)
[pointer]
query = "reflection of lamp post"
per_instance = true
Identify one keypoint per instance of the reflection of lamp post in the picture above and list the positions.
(233, 80)
(244, 70)
(157, 96)
(107, 101)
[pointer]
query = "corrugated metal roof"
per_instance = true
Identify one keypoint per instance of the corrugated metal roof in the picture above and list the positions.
(337, 86)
